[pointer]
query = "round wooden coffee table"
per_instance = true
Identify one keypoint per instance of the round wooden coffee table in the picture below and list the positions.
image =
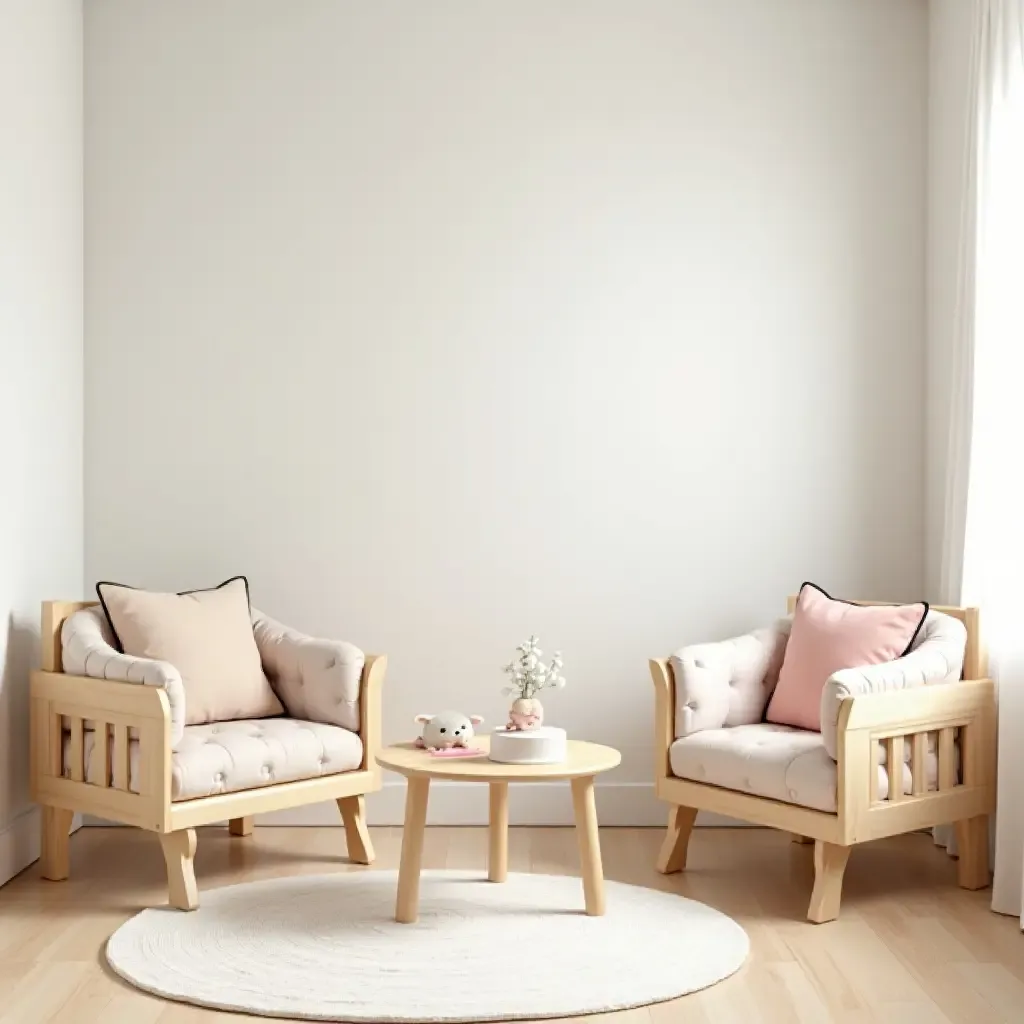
(582, 763)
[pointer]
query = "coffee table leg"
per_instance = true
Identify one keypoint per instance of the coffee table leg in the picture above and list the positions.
(407, 904)
(590, 844)
(497, 859)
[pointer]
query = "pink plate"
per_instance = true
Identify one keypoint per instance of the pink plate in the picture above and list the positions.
(457, 752)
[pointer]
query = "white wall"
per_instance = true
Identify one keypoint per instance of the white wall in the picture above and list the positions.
(949, 44)
(40, 366)
(450, 322)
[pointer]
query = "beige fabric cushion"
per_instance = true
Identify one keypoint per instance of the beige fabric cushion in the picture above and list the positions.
(232, 756)
(207, 636)
(318, 680)
(778, 762)
(728, 682)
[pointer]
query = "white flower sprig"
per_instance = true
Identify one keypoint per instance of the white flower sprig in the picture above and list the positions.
(528, 674)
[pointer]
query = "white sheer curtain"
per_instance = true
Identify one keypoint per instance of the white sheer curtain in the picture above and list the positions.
(983, 556)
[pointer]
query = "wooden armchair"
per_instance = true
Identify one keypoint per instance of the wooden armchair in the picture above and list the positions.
(713, 752)
(120, 750)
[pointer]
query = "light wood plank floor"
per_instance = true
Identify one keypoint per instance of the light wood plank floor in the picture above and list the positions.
(910, 947)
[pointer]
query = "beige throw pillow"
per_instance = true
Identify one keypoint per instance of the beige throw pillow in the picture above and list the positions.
(207, 636)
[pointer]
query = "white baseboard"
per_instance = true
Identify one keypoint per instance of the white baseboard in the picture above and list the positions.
(465, 803)
(19, 844)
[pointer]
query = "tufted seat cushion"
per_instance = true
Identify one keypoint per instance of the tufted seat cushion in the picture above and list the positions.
(778, 762)
(226, 757)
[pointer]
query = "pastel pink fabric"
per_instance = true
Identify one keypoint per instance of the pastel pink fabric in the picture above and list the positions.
(830, 635)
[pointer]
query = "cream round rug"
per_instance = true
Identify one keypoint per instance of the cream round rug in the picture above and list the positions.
(327, 948)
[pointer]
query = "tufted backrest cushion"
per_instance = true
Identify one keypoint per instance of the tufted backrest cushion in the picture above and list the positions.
(727, 683)
(318, 680)
(936, 656)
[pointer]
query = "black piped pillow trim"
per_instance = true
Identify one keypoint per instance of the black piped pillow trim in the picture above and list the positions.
(181, 593)
(825, 593)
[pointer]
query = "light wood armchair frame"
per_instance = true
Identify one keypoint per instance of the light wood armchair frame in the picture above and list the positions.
(963, 711)
(124, 707)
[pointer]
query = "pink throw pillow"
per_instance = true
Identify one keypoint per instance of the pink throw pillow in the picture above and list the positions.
(830, 635)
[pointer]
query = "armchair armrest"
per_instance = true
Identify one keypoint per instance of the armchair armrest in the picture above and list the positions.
(87, 650)
(937, 659)
(317, 680)
(97, 778)
(940, 706)
(961, 717)
(727, 683)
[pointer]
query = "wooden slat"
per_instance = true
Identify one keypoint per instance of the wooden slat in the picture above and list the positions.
(76, 753)
(947, 759)
(55, 741)
(894, 764)
(919, 762)
(121, 757)
(99, 762)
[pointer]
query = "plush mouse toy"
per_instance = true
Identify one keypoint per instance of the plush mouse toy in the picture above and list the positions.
(446, 730)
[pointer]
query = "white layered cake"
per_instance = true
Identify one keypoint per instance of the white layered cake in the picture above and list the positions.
(545, 745)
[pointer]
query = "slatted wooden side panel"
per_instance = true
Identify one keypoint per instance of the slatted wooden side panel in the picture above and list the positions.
(98, 756)
(84, 751)
(944, 742)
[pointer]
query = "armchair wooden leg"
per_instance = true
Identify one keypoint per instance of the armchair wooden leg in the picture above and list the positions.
(672, 857)
(56, 840)
(357, 836)
(179, 852)
(829, 865)
(972, 850)
(240, 826)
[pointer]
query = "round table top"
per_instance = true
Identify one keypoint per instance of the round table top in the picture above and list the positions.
(582, 759)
